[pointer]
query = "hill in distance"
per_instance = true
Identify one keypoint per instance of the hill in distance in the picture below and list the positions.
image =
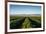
(26, 15)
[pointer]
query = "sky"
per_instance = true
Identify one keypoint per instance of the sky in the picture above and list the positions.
(24, 9)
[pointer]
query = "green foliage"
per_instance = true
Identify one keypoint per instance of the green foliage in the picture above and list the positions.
(12, 24)
(25, 22)
(36, 17)
(35, 23)
(14, 17)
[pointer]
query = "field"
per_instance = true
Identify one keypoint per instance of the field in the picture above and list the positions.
(20, 22)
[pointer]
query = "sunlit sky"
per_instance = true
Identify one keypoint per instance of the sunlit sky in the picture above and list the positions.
(24, 9)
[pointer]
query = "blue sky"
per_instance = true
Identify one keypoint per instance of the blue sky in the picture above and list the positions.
(24, 9)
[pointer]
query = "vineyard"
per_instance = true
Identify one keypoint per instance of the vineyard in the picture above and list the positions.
(19, 22)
